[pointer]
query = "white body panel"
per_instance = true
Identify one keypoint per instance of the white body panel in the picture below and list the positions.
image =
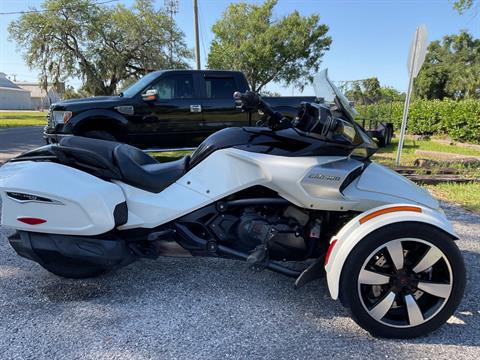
(83, 205)
(296, 179)
(380, 185)
(308, 182)
(353, 232)
(223, 173)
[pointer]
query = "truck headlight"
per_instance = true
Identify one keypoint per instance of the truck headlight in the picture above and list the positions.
(62, 117)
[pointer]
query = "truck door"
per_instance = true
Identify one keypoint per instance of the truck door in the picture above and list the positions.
(218, 106)
(174, 119)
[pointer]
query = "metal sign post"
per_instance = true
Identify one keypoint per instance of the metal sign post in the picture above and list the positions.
(416, 57)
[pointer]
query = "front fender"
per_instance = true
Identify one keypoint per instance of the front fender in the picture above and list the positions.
(365, 223)
(79, 120)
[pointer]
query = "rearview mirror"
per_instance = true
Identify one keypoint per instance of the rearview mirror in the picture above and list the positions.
(150, 95)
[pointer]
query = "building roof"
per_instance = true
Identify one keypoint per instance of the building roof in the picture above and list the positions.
(5, 83)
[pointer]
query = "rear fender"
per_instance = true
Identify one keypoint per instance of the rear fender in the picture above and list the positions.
(362, 225)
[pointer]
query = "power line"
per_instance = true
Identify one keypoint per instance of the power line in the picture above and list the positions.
(47, 10)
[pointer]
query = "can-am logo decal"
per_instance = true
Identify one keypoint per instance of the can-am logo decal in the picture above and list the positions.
(324, 177)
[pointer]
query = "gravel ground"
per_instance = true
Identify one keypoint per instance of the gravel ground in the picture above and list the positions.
(198, 308)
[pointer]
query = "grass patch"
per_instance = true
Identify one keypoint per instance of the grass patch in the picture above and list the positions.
(22, 118)
(467, 195)
(387, 155)
(169, 155)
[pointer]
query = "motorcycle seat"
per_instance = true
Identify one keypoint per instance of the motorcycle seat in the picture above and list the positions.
(141, 170)
(117, 161)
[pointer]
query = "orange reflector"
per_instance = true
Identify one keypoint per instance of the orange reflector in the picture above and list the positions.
(329, 251)
(67, 115)
(389, 210)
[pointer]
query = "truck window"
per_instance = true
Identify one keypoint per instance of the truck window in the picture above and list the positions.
(220, 88)
(175, 87)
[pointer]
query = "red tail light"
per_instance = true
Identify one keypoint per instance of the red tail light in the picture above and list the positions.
(31, 220)
(329, 251)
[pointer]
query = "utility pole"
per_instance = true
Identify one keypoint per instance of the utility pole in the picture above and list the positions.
(171, 6)
(197, 42)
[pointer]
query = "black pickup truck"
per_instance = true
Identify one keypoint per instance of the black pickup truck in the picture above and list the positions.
(164, 109)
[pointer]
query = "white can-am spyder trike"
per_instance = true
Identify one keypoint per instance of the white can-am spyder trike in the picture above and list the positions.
(303, 191)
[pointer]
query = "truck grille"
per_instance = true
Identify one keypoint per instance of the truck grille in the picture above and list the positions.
(50, 118)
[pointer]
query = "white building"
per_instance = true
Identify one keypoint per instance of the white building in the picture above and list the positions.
(40, 98)
(12, 96)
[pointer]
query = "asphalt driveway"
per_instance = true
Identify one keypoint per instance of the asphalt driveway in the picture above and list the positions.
(19, 139)
(176, 308)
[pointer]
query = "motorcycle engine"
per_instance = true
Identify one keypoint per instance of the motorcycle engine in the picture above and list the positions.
(284, 233)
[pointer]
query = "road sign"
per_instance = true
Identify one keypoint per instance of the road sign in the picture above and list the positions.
(416, 57)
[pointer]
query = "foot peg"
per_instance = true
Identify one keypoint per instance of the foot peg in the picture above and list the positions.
(162, 235)
(258, 259)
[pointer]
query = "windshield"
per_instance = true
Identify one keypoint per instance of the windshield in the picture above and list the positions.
(332, 96)
(138, 86)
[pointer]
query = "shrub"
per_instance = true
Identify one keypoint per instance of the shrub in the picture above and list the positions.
(458, 119)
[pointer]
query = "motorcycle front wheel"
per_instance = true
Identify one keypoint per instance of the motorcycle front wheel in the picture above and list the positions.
(403, 280)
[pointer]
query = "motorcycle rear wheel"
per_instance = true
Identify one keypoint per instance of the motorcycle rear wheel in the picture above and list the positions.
(73, 269)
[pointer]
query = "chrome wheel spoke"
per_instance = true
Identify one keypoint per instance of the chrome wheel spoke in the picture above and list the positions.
(436, 289)
(380, 309)
(428, 260)
(395, 250)
(372, 278)
(415, 316)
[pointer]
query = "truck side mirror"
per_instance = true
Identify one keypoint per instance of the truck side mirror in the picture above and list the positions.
(150, 95)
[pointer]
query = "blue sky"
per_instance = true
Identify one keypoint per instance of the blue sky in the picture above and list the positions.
(370, 37)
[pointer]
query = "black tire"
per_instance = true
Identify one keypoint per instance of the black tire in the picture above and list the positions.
(100, 134)
(72, 269)
(382, 141)
(388, 135)
(353, 295)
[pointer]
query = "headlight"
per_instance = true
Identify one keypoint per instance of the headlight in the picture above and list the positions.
(62, 117)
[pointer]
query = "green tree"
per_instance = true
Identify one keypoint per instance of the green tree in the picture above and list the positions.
(102, 45)
(463, 5)
(287, 50)
(451, 68)
(389, 94)
(369, 91)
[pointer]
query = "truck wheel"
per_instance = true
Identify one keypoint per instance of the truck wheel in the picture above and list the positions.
(100, 134)
(72, 269)
(389, 136)
(403, 280)
(382, 141)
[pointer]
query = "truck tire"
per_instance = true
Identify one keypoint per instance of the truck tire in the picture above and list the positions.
(389, 136)
(100, 134)
(382, 141)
